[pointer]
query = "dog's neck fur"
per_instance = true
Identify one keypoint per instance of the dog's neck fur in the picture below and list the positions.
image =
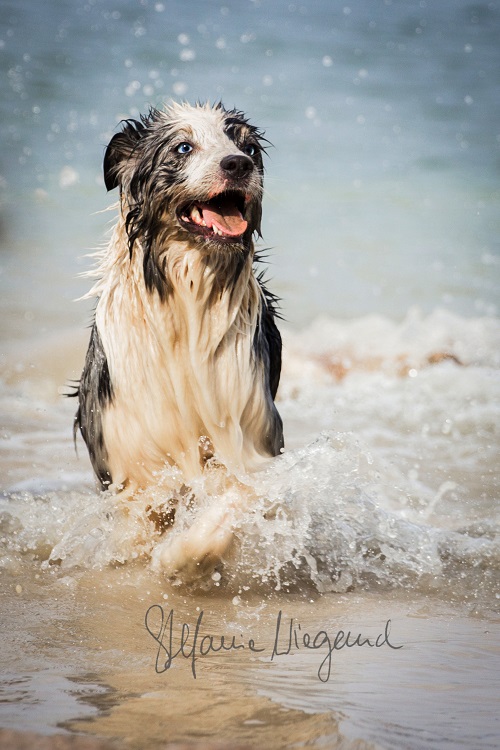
(182, 349)
(198, 308)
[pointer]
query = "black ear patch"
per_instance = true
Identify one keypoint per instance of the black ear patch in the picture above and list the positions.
(120, 148)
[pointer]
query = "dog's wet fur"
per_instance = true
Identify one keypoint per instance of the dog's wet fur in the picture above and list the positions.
(184, 357)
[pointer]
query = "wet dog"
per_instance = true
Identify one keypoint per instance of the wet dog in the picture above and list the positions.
(184, 358)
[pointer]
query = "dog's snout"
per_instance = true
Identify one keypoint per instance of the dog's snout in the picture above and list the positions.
(236, 166)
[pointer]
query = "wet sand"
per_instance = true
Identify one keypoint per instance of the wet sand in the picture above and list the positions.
(11, 740)
(277, 691)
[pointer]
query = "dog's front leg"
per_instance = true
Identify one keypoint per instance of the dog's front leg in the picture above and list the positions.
(196, 551)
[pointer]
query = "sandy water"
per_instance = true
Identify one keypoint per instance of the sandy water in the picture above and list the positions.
(382, 214)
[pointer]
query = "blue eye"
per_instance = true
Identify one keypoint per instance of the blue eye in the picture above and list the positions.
(184, 148)
(250, 149)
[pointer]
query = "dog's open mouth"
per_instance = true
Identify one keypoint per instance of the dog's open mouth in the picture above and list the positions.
(220, 217)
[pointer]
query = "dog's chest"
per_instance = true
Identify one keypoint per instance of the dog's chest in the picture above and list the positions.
(181, 369)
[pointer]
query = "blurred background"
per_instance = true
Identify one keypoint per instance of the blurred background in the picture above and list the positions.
(382, 224)
(382, 183)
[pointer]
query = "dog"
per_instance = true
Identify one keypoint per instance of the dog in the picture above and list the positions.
(184, 357)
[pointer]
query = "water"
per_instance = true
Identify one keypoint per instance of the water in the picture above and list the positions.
(381, 215)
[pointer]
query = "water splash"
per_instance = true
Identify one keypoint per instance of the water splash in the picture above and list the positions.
(312, 521)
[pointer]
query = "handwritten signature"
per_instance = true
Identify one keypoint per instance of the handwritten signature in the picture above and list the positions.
(287, 638)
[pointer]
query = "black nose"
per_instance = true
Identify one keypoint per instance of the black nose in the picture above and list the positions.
(237, 166)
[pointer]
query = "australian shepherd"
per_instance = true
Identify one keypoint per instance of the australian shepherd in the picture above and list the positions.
(184, 357)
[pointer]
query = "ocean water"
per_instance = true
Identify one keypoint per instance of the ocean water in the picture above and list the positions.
(381, 229)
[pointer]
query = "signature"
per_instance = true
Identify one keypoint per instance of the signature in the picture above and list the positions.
(189, 642)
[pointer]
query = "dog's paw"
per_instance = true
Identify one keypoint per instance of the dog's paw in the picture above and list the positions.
(195, 552)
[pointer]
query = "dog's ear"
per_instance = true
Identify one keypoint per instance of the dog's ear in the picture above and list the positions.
(119, 150)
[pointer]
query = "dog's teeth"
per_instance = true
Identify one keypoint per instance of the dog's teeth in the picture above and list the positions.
(196, 216)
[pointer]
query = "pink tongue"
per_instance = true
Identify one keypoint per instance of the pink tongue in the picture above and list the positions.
(224, 215)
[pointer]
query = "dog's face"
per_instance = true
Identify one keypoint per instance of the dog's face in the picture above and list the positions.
(191, 173)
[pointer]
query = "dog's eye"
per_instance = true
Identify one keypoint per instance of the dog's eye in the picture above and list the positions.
(184, 148)
(250, 149)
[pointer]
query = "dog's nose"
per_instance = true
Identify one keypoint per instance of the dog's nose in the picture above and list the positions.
(237, 166)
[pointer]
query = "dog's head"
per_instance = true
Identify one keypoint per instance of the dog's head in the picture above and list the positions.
(188, 172)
